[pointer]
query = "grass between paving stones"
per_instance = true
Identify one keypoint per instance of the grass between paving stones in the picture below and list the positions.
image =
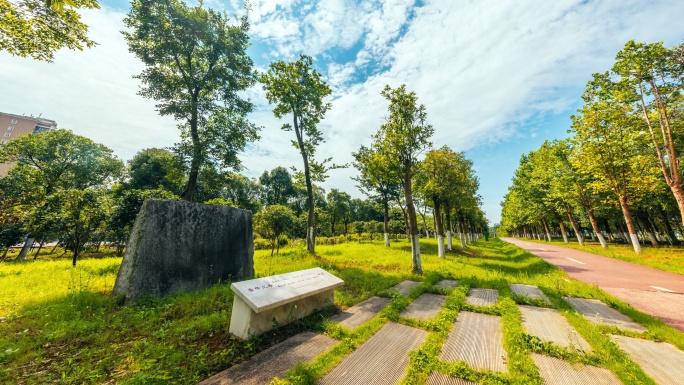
(58, 324)
(666, 257)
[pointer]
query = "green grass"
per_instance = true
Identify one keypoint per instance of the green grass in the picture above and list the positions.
(59, 324)
(665, 257)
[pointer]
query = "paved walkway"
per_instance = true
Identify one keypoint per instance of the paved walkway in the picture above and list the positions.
(652, 291)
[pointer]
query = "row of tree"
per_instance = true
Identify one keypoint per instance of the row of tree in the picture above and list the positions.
(197, 69)
(618, 174)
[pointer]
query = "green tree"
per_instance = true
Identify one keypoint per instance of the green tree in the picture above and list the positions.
(338, 209)
(298, 89)
(64, 178)
(401, 139)
(38, 28)
(443, 178)
(277, 186)
(656, 75)
(272, 222)
(197, 67)
(378, 180)
(155, 168)
(608, 145)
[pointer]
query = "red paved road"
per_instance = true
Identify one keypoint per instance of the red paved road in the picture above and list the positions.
(650, 290)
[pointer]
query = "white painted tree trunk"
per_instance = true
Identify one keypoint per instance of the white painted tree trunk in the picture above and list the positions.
(387, 243)
(652, 238)
(565, 237)
(415, 251)
(635, 243)
(463, 240)
(450, 244)
(25, 249)
(602, 240)
(440, 246)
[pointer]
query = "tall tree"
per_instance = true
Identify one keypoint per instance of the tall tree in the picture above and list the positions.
(38, 28)
(403, 137)
(197, 67)
(378, 180)
(298, 89)
(608, 145)
(656, 75)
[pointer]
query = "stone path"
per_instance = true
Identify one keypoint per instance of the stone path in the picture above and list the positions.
(614, 276)
(274, 361)
(529, 291)
(382, 359)
(425, 306)
(559, 372)
(404, 288)
(482, 297)
(600, 313)
(447, 284)
(364, 311)
(550, 326)
(437, 378)
(661, 361)
(476, 339)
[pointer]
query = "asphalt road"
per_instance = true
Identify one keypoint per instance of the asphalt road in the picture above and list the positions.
(652, 291)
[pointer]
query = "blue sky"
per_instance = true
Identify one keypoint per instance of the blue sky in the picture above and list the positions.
(497, 77)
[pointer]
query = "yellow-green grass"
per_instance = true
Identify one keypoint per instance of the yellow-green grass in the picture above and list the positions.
(665, 257)
(77, 333)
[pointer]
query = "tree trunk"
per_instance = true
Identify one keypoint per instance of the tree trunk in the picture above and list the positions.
(40, 246)
(25, 249)
(440, 229)
(386, 222)
(594, 225)
(565, 234)
(678, 192)
(55, 247)
(461, 234)
(189, 192)
(310, 235)
(668, 227)
(447, 216)
(413, 223)
(630, 224)
(546, 229)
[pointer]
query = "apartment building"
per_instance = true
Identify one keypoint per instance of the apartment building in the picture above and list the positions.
(12, 126)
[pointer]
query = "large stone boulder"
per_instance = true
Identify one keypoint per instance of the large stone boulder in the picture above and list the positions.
(183, 246)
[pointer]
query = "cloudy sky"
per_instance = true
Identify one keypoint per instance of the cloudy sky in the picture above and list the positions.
(497, 77)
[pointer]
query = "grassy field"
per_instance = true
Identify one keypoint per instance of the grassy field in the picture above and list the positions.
(667, 258)
(59, 325)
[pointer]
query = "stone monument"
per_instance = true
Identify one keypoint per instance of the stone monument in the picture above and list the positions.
(183, 246)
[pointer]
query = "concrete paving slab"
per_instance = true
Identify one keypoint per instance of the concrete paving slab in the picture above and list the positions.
(381, 360)
(364, 311)
(447, 284)
(476, 339)
(600, 313)
(405, 287)
(529, 291)
(660, 360)
(274, 361)
(425, 306)
(559, 372)
(550, 326)
(437, 378)
(482, 297)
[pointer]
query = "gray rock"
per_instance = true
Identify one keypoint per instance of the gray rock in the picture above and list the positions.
(183, 246)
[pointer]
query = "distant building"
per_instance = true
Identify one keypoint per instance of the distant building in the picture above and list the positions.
(12, 126)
